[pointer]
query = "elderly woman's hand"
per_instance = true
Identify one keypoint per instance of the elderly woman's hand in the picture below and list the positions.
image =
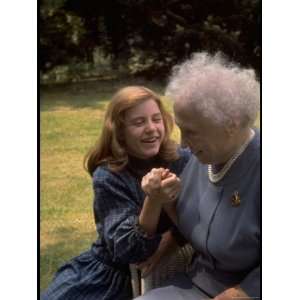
(161, 185)
(234, 293)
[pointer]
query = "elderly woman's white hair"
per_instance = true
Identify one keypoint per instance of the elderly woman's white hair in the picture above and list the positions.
(219, 90)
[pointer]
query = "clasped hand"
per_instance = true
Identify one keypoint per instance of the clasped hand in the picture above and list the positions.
(161, 185)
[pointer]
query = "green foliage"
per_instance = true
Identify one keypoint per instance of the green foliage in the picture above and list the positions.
(60, 39)
(150, 36)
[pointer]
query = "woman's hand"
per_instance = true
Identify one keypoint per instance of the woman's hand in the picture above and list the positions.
(151, 181)
(234, 293)
(166, 246)
(161, 185)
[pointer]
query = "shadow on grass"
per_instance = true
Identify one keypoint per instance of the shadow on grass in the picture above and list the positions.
(88, 94)
(71, 243)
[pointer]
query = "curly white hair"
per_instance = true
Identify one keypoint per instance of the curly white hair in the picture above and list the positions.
(218, 89)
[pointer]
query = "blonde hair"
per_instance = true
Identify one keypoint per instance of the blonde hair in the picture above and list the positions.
(109, 148)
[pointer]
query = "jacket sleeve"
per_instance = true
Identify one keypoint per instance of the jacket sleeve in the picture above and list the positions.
(118, 213)
(251, 283)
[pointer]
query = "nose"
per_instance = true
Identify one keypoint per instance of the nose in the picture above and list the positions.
(150, 126)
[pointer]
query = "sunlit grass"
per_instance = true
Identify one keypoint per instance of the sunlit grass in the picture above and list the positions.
(67, 225)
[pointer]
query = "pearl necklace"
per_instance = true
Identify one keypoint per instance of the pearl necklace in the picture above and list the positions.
(215, 177)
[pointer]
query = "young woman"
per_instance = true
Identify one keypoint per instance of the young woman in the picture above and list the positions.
(135, 141)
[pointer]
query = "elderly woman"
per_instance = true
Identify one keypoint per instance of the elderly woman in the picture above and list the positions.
(218, 211)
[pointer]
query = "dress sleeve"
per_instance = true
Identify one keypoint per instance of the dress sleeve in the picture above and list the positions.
(118, 212)
(251, 283)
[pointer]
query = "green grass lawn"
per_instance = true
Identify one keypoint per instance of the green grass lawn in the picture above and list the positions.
(71, 120)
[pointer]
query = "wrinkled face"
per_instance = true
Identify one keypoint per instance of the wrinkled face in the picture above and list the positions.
(211, 144)
(144, 129)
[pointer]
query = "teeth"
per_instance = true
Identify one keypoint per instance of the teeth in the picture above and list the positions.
(150, 140)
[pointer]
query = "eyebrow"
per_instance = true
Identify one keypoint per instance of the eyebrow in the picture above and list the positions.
(157, 115)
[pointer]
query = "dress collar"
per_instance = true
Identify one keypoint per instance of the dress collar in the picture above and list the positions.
(242, 164)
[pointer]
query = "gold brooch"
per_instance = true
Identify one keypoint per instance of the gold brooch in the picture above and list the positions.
(235, 199)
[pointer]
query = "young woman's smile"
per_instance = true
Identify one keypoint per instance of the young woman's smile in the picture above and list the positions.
(144, 129)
